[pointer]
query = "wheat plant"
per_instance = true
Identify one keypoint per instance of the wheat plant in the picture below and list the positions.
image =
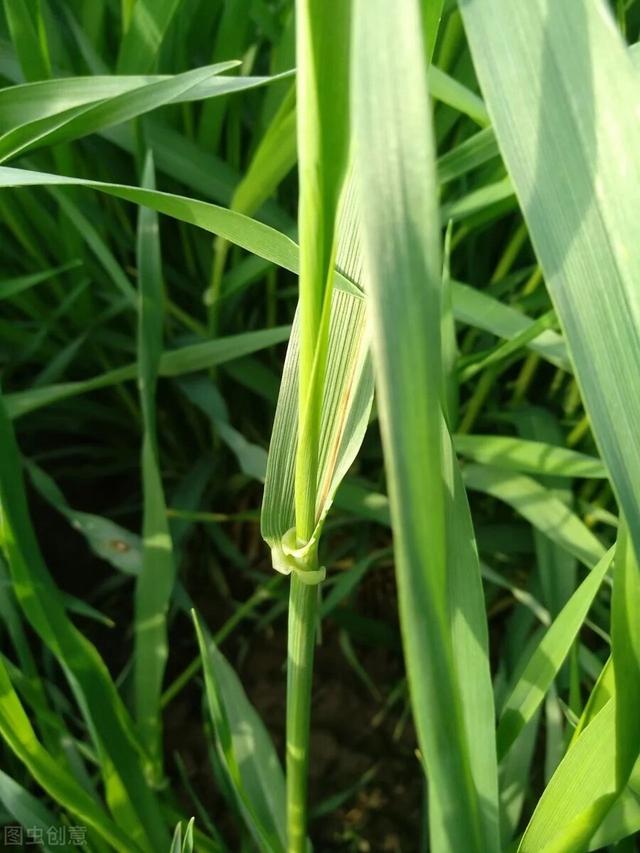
(433, 205)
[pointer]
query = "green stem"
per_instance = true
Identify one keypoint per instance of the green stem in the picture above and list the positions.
(303, 607)
(220, 252)
(126, 8)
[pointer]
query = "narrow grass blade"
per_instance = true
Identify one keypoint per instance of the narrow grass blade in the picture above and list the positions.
(231, 41)
(28, 34)
(580, 793)
(592, 781)
(188, 359)
(529, 457)
(397, 182)
(252, 458)
(82, 120)
(540, 507)
(180, 843)
(471, 643)
(12, 286)
(488, 200)
(245, 749)
(450, 349)
(13, 624)
(500, 353)
(155, 582)
(90, 235)
(176, 843)
(122, 760)
(444, 88)
(623, 820)
(144, 34)
(603, 691)
(470, 154)
(547, 658)
(27, 810)
(482, 311)
(274, 157)
(515, 773)
(16, 632)
(247, 233)
(432, 15)
(23, 105)
(20, 737)
(557, 573)
(625, 654)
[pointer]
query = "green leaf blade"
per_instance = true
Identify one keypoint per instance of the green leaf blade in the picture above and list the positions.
(155, 581)
(397, 183)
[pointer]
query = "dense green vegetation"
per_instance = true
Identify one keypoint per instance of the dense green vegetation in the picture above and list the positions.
(349, 292)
